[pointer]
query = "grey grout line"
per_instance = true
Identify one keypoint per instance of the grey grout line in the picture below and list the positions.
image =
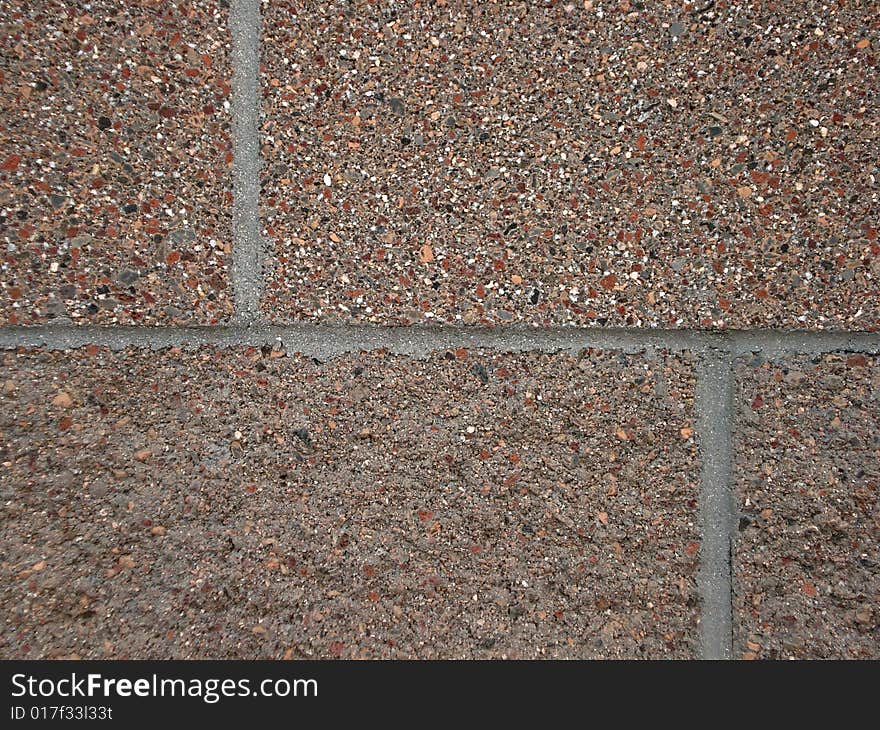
(774, 344)
(247, 246)
(328, 340)
(713, 403)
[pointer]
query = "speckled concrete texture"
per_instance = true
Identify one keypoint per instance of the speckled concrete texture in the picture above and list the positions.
(594, 163)
(115, 158)
(243, 503)
(807, 551)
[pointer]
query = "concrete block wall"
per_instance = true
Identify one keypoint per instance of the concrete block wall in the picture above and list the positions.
(442, 330)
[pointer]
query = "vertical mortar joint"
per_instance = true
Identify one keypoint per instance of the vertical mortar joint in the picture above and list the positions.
(714, 404)
(247, 248)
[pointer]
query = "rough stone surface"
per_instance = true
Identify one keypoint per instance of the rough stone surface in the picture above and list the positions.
(242, 503)
(622, 163)
(115, 186)
(807, 552)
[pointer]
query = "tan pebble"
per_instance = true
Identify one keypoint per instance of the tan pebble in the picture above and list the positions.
(157, 531)
(863, 616)
(142, 455)
(62, 400)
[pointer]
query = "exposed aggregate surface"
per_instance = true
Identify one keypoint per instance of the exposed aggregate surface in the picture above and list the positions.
(115, 162)
(240, 504)
(610, 163)
(807, 550)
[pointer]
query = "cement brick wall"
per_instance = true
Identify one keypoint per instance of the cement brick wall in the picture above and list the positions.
(278, 383)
